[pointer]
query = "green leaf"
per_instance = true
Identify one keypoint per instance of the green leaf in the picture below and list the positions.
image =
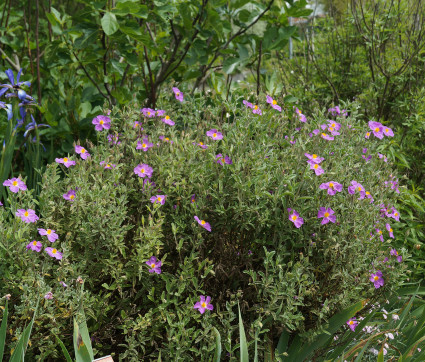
(242, 338)
(80, 347)
(109, 23)
(3, 330)
(282, 345)
(64, 350)
(217, 353)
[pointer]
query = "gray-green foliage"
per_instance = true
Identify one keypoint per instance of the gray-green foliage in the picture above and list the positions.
(294, 279)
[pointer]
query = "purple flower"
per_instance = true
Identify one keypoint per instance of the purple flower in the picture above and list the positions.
(380, 155)
(377, 129)
(158, 199)
(316, 131)
(101, 122)
(113, 138)
(143, 170)
(295, 218)
(144, 146)
(247, 104)
(367, 135)
(223, 159)
(200, 144)
(35, 245)
(154, 265)
(148, 112)
(214, 134)
(203, 304)
(49, 295)
(168, 121)
(193, 199)
(160, 112)
(394, 214)
(165, 139)
(203, 223)
(66, 161)
(316, 167)
(15, 184)
(178, 94)
(367, 159)
(377, 279)
(333, 131)
(395, 253)
(256, 110)
(314, 158)
(327, 137)
(70, 195)
(327, 214)
(352, 323)
(51, 234)
(301, 116)
(379, 232)
(334, 125)
(107, 165)
(332, 187)
(369, 196)
(273, 103)
(388, 132)
(27, 215)
(63, 284)
(355, 186)
(54, 253)
(390, 231)
(82, 152)
(137, 124)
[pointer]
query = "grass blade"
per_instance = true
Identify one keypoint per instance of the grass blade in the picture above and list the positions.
(242, 337)
(64, 350)
(217, 354)
(3, 331)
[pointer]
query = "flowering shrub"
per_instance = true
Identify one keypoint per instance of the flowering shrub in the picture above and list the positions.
(228, 209)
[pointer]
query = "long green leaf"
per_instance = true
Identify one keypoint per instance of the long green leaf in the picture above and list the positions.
(360, 355)
(242, 338)
(217, 354)
(3, 331)
(80, 347)
(21, 347)
(282, 345)
(64, 350)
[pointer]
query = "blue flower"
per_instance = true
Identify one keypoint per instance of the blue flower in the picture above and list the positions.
(21, 94)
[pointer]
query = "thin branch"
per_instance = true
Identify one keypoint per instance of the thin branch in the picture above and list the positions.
(154, 42)
(127, 68)
(10, 61)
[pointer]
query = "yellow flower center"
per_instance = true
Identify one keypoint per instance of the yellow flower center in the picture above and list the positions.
(316, 166)
(367, 193)
(368, 134)
(214, 135)
(144, 145)
(26, 213)
(294, 217)
(54, 251)
(359, 188)
(101, 122)
(34, 243)
(108, 165)
(333, 125)
(379, 232)
(314, 155)
(83, 150)
(71, 197)
(149, 113)
(201, 143)
(153, 265)
(299, 111)
(166, 139)
(142, 170)
(159, 199)
(351, 323)
(331, 129)
(391, 230)
(274, 102)
(167, 117)
(65, 159)
(177, 94)
(375, 277)
(222, 160)
(202, 222)
(377, 129)
(255, 107)
(49, 231)
(331, 185)
(326, 214)
(386, 130)
(395, 214)
(15, 183)
(324, 135)
(204, 305)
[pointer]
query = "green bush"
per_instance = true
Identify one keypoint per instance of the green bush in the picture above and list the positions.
(284, 277)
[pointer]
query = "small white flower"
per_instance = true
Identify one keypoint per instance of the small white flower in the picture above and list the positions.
(389, 335)
(396, 317)
(374, 351)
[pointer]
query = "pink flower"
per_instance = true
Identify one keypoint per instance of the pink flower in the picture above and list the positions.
(377, 129)
(247, 104)
(168, 121)
(203, 304)
(143, 170)
(335, 125)
(327, 214)
(295, 218)
(214, 134)
(390, 231)
(144, 146)
(377, 279)
(49, 295)
(273, 103)
(165, 139)
(15, 184)
(301, 116)
(327, 137)
(388, 132)
(138, 125)
(107, 165)
(27, 215)
(332, 187)
(35, 245)
(66, 161)
(223, 159)
(203, 223)
(70, 195)
(155, 265)
(352, 323)
(314, 158)
(395, 253)
(160, 112)
(54, 253)
(82, 152)
(316, 167)
(256, 110)
(101, 122)
(148, 112)
(355, 186)
(158, 199)
(201, 144)
(178, 94)
(367, 135)
(51, 234)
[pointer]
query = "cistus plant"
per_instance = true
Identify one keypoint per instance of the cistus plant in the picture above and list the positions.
(169, 238)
